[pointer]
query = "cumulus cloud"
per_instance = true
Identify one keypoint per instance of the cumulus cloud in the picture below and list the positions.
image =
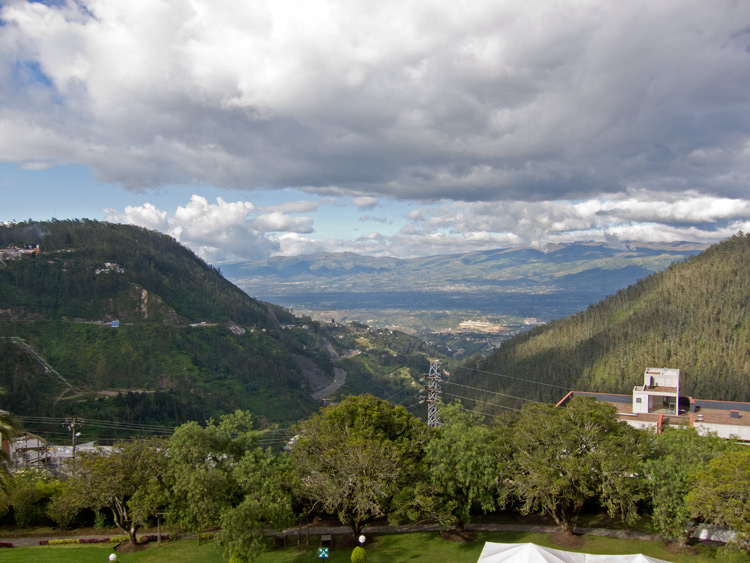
(505, 101)
(146, 215)
(218, 231)
(618, 221)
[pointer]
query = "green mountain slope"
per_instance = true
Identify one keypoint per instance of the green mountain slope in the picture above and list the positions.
(694, 316)
(189, 344)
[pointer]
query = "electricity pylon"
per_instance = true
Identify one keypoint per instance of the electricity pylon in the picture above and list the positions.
(433, 394)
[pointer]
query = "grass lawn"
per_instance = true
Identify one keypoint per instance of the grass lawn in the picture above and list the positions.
(396, 548)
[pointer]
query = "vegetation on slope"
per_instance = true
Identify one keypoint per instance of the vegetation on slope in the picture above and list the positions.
(189, 345)
(694, 316)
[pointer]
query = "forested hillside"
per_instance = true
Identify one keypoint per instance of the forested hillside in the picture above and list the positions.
(694, 316)
(189, 345)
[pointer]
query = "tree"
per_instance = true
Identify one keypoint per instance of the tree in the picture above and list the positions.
(677, 453)
(263, 480)
(351, 459)
(721, 495)
(565, 456)
(126, 479)
(463, 459)
(219, 475)
(8, 427)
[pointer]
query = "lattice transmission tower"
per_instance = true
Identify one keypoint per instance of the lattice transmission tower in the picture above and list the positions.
(434, 378)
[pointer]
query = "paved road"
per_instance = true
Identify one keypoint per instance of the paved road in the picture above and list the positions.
(339, 378)
(343, 530)
(478, 527)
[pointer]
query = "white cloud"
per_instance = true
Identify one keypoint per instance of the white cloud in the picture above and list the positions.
(525, 101)
(217, 231)
(508, 122)
(375, 219)
(239, 230)
(146, 215)
(292, 207)
(365, 202)
(277, 221)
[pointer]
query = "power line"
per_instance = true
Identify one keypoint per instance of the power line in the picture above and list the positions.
(95, 422)
(488, 391)
(483, 402)
(517, 378)
(463, 408)
(396, 394)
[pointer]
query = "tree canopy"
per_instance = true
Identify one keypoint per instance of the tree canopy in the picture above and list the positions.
(218, 475)
(351, 459)
(721, 495)
(676, 454)
(567, 456)
(126, 479)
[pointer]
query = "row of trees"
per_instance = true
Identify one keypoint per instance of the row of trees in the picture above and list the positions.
(365, 459)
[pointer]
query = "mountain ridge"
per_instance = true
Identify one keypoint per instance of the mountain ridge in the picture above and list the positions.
(694, 316)
(515, 273)
(146, 331)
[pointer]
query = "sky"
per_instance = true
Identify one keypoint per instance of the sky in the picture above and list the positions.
(276, 127)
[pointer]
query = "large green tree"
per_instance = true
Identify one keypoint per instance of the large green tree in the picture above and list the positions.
(565, 456)
(126, 479)
(676, 454)
(353, 458)
(464, 460)
(721, 495)
(220, 476)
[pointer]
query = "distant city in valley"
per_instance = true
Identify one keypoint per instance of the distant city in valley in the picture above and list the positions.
(481, 298)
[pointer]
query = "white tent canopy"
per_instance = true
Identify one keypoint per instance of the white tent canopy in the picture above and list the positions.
(532, 553)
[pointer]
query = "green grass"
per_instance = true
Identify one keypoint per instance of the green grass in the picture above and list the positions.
(184, 551)
(396, 548)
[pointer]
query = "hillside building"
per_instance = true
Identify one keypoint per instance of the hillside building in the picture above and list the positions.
(30, 451)
(658, 403)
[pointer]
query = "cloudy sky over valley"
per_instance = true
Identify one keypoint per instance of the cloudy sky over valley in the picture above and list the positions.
(251, 128)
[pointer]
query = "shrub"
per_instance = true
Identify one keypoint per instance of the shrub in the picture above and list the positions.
(62, 511)
(359, 555)
(154, 537)
(30, 495)
(101, 520)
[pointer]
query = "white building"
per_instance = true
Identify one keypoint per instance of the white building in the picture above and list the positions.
(657, 403)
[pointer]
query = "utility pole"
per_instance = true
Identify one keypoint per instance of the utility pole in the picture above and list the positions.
(433, 394)
(72, 428)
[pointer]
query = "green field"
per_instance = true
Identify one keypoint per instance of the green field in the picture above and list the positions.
(395, 548)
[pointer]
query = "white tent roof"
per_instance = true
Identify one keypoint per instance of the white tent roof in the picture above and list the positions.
(532, 553)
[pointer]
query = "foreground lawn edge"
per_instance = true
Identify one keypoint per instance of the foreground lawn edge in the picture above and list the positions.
(392, 548)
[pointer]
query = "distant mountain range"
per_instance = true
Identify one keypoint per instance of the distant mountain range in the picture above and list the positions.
(525, 282)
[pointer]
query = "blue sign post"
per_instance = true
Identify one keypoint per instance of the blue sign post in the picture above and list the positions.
(322, 553)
